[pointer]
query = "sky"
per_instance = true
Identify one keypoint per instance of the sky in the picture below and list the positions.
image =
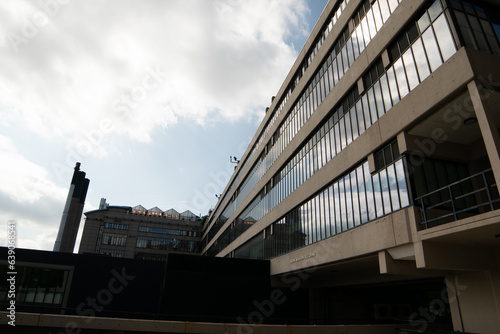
(152, 97)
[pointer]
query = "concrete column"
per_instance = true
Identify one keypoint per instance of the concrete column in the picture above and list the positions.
(473, 298)
(487, 125)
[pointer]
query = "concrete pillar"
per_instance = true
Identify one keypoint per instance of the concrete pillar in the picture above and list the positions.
(487, 125)
(474, 298)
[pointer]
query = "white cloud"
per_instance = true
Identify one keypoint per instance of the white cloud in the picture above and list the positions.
(30, 198)
(89, 62)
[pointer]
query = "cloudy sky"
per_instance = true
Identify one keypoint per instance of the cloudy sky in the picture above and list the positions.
(152, 97)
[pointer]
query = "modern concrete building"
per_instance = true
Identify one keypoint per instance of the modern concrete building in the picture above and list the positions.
(72, 214)
(138, 233)
(372, 180)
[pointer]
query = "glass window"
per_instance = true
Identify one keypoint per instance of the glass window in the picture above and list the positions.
(385, 191)
(465, 29)
(350, 51)
(348, 196)
(379, 205)
(354, 123)
(432, 50)
(343, 136)
(366, 30)
(338, 220)
(335, 71)
(393, 4)
(360, 39)
(348, 127)
(393, 186)
(424, 22)
(384, 10)
(362, 195)
(330, 77)
(371, 23)
(366, 110)
(343, 214)
(338, 141)
(421, 59)
(393, 85)
(401, 78)
(369, 192)
(377, 15)
(411, 70)
(403, 190)
(345, 59)
(331, 211)
(490, 35)
(361, 121)
(379, 98)
(373, 105)
(496, 27)
(355, 199)
(385, 91)
(435, 10)
(444, 37)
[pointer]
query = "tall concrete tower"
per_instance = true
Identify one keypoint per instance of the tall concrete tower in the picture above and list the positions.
(70, 221)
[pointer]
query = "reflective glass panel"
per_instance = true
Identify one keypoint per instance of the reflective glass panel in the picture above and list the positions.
(366, 110)
(384, 9)
(370, 200)
(362, 195)
(401, 77)
(411, 70)
(361, 41)
(379, 98)
(421, 59)
(385, 91)
(355, 199)
(377, 15)
(385, 191)
(373, 105)
(366, 30)
(378, 195)
(393, 186)
(338, 219)
(354, 123)
(444, 37)
(403, 189)
(343, 204)
(432, 50)
(391, 78)
(361, 121)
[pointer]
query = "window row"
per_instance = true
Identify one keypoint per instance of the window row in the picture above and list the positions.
(166, 231)
(116, 226)
(479, 25)
(355, 199)
(112, 253)
(166, 244)
(113, 239)
(35, 285)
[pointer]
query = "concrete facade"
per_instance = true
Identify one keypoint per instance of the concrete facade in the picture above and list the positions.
(440, 112)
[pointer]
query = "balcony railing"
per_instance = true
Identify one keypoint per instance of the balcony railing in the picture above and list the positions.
(468, 197)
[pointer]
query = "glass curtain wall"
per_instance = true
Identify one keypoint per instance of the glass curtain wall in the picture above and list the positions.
(418, 51)
(368, 19)
(355, 199)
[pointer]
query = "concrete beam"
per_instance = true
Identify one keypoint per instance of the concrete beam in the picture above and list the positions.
(450, 256)
(388, 265)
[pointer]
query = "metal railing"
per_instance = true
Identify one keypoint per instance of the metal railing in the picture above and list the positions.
(467, 197)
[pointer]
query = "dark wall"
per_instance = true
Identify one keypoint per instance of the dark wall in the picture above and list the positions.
(100, 285)
(214, 289)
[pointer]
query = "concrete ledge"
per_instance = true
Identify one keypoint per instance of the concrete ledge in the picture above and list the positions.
(72, 323)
